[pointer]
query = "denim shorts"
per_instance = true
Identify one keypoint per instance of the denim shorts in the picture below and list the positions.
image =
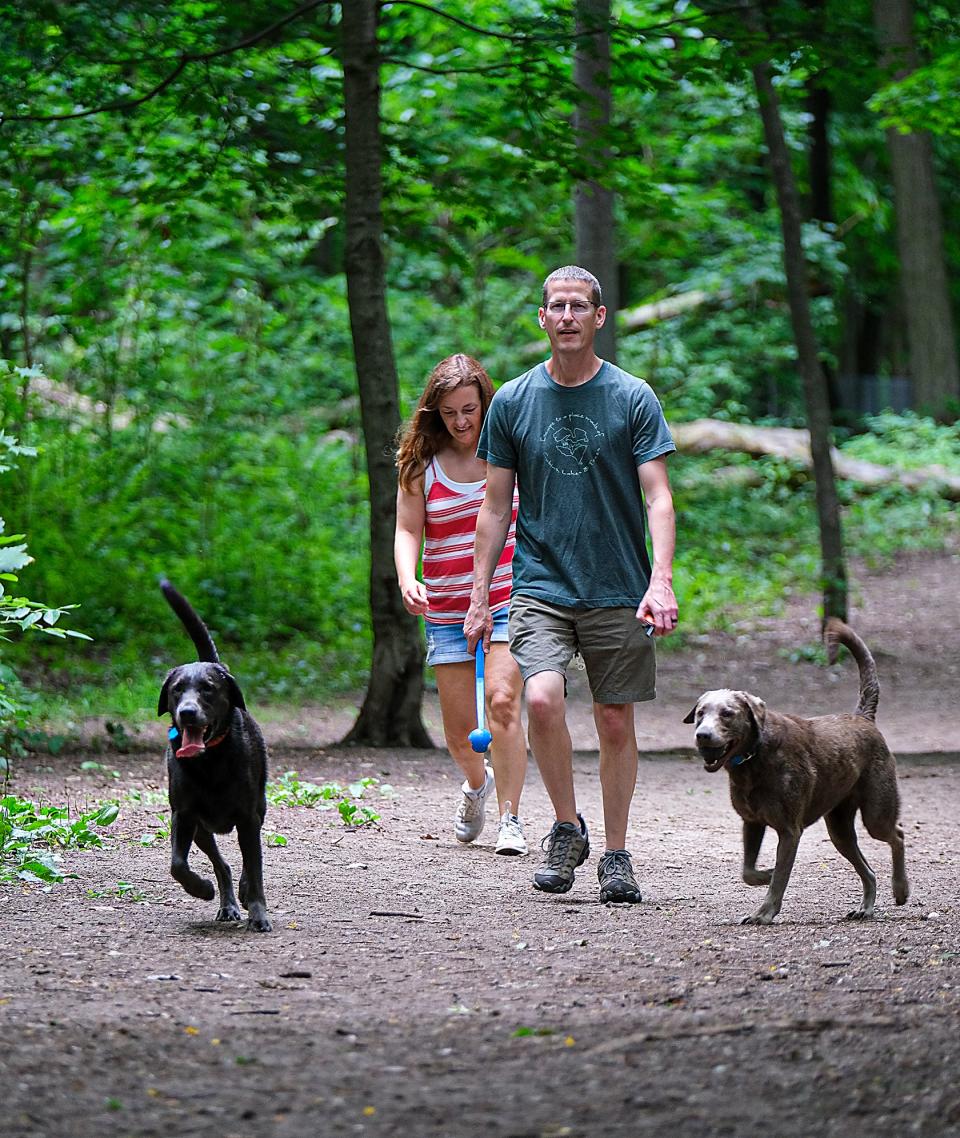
(446, 643)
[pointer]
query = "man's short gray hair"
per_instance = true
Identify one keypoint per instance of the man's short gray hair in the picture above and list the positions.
(574, 273)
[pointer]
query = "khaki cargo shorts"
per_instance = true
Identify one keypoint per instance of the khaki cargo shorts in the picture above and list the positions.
(621, 660)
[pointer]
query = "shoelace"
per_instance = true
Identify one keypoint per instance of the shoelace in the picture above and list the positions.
(561, 841)
(469, 808)
(617, 864)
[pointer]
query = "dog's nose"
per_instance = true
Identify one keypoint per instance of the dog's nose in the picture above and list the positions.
(188, 713)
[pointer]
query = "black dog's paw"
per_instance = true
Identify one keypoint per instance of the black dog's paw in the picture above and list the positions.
(228, 913)
(195, 885)
(258, 921)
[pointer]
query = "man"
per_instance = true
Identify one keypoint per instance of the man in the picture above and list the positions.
(586, 444)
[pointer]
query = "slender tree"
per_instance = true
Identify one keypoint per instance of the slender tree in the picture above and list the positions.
(931, 334)
(816, 400)
(390, 715)
(593, 199)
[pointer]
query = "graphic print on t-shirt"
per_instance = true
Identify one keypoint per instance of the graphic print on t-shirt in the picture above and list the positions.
(571, 444)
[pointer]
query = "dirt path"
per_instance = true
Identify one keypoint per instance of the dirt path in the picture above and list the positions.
(416, 987)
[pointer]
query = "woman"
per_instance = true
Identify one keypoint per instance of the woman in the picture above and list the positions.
(441, 484)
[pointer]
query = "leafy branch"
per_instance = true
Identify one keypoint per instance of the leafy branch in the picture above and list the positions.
(183, 62)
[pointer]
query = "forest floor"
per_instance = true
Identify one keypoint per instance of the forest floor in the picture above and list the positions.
(413, 986)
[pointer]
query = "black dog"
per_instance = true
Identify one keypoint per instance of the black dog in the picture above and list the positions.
(217, 767)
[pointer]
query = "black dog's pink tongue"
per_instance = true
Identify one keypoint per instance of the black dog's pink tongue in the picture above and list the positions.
(192, 743)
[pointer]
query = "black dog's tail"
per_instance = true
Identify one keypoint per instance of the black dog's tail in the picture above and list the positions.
(199, 634)
(836, 633)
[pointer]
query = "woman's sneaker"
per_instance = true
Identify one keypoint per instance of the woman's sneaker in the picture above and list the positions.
(617, 883)
(471, 813)
(510, 839)
(567, 846)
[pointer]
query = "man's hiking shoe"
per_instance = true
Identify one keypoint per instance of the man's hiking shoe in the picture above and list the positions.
(471, 813)
(510, 839)
(617, 882)
(566, 847)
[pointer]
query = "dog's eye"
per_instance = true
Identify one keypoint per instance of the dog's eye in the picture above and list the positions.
(726, 713)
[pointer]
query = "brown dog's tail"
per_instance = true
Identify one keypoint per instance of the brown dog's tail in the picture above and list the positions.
(199, 634)
(836, 633)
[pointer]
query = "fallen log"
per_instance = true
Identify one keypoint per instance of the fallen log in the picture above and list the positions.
(705, 435)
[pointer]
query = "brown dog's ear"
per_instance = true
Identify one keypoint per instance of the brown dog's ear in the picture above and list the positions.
(756, 710)
(692, 714)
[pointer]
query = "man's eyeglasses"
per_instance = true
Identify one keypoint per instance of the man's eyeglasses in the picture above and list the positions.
(577, 307)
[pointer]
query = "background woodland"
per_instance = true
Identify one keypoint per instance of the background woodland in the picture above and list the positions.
(235, 238)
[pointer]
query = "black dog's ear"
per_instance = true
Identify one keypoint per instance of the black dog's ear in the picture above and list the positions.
(692, 714)
(164, 705)
(236, 695)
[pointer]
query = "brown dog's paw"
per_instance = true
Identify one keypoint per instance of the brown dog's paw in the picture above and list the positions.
(758, 876)
(860, 914)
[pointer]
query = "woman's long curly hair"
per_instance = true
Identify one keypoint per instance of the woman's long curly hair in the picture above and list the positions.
(426, 433)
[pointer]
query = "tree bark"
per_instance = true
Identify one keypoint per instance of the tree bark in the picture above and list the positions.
(931, 334)
(594, 224)
(390, 715)
(833, 568)
(818, 133)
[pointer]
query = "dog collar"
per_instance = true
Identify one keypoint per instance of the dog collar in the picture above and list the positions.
(739, 760)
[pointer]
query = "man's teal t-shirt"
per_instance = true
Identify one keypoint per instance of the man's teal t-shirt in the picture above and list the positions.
(581, 535)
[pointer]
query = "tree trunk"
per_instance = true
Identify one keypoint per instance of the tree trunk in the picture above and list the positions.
(923, 277)
(833, 571)
(390, 715)
(818, 133)
(593, 201)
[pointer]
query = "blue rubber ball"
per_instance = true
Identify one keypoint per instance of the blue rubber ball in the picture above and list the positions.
(480, 740)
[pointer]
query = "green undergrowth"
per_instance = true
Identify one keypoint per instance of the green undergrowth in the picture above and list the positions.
(291, 790)
(31, 834)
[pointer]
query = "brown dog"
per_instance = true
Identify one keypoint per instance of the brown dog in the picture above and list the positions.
(786, 772)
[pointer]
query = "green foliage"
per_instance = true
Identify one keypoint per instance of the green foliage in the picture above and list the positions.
(29, 831)
(18, 613)
(741, 548)
(290, 790)
(122, 891)
(264, 533)
(159, 834)
(908, 442)
(744, 547)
